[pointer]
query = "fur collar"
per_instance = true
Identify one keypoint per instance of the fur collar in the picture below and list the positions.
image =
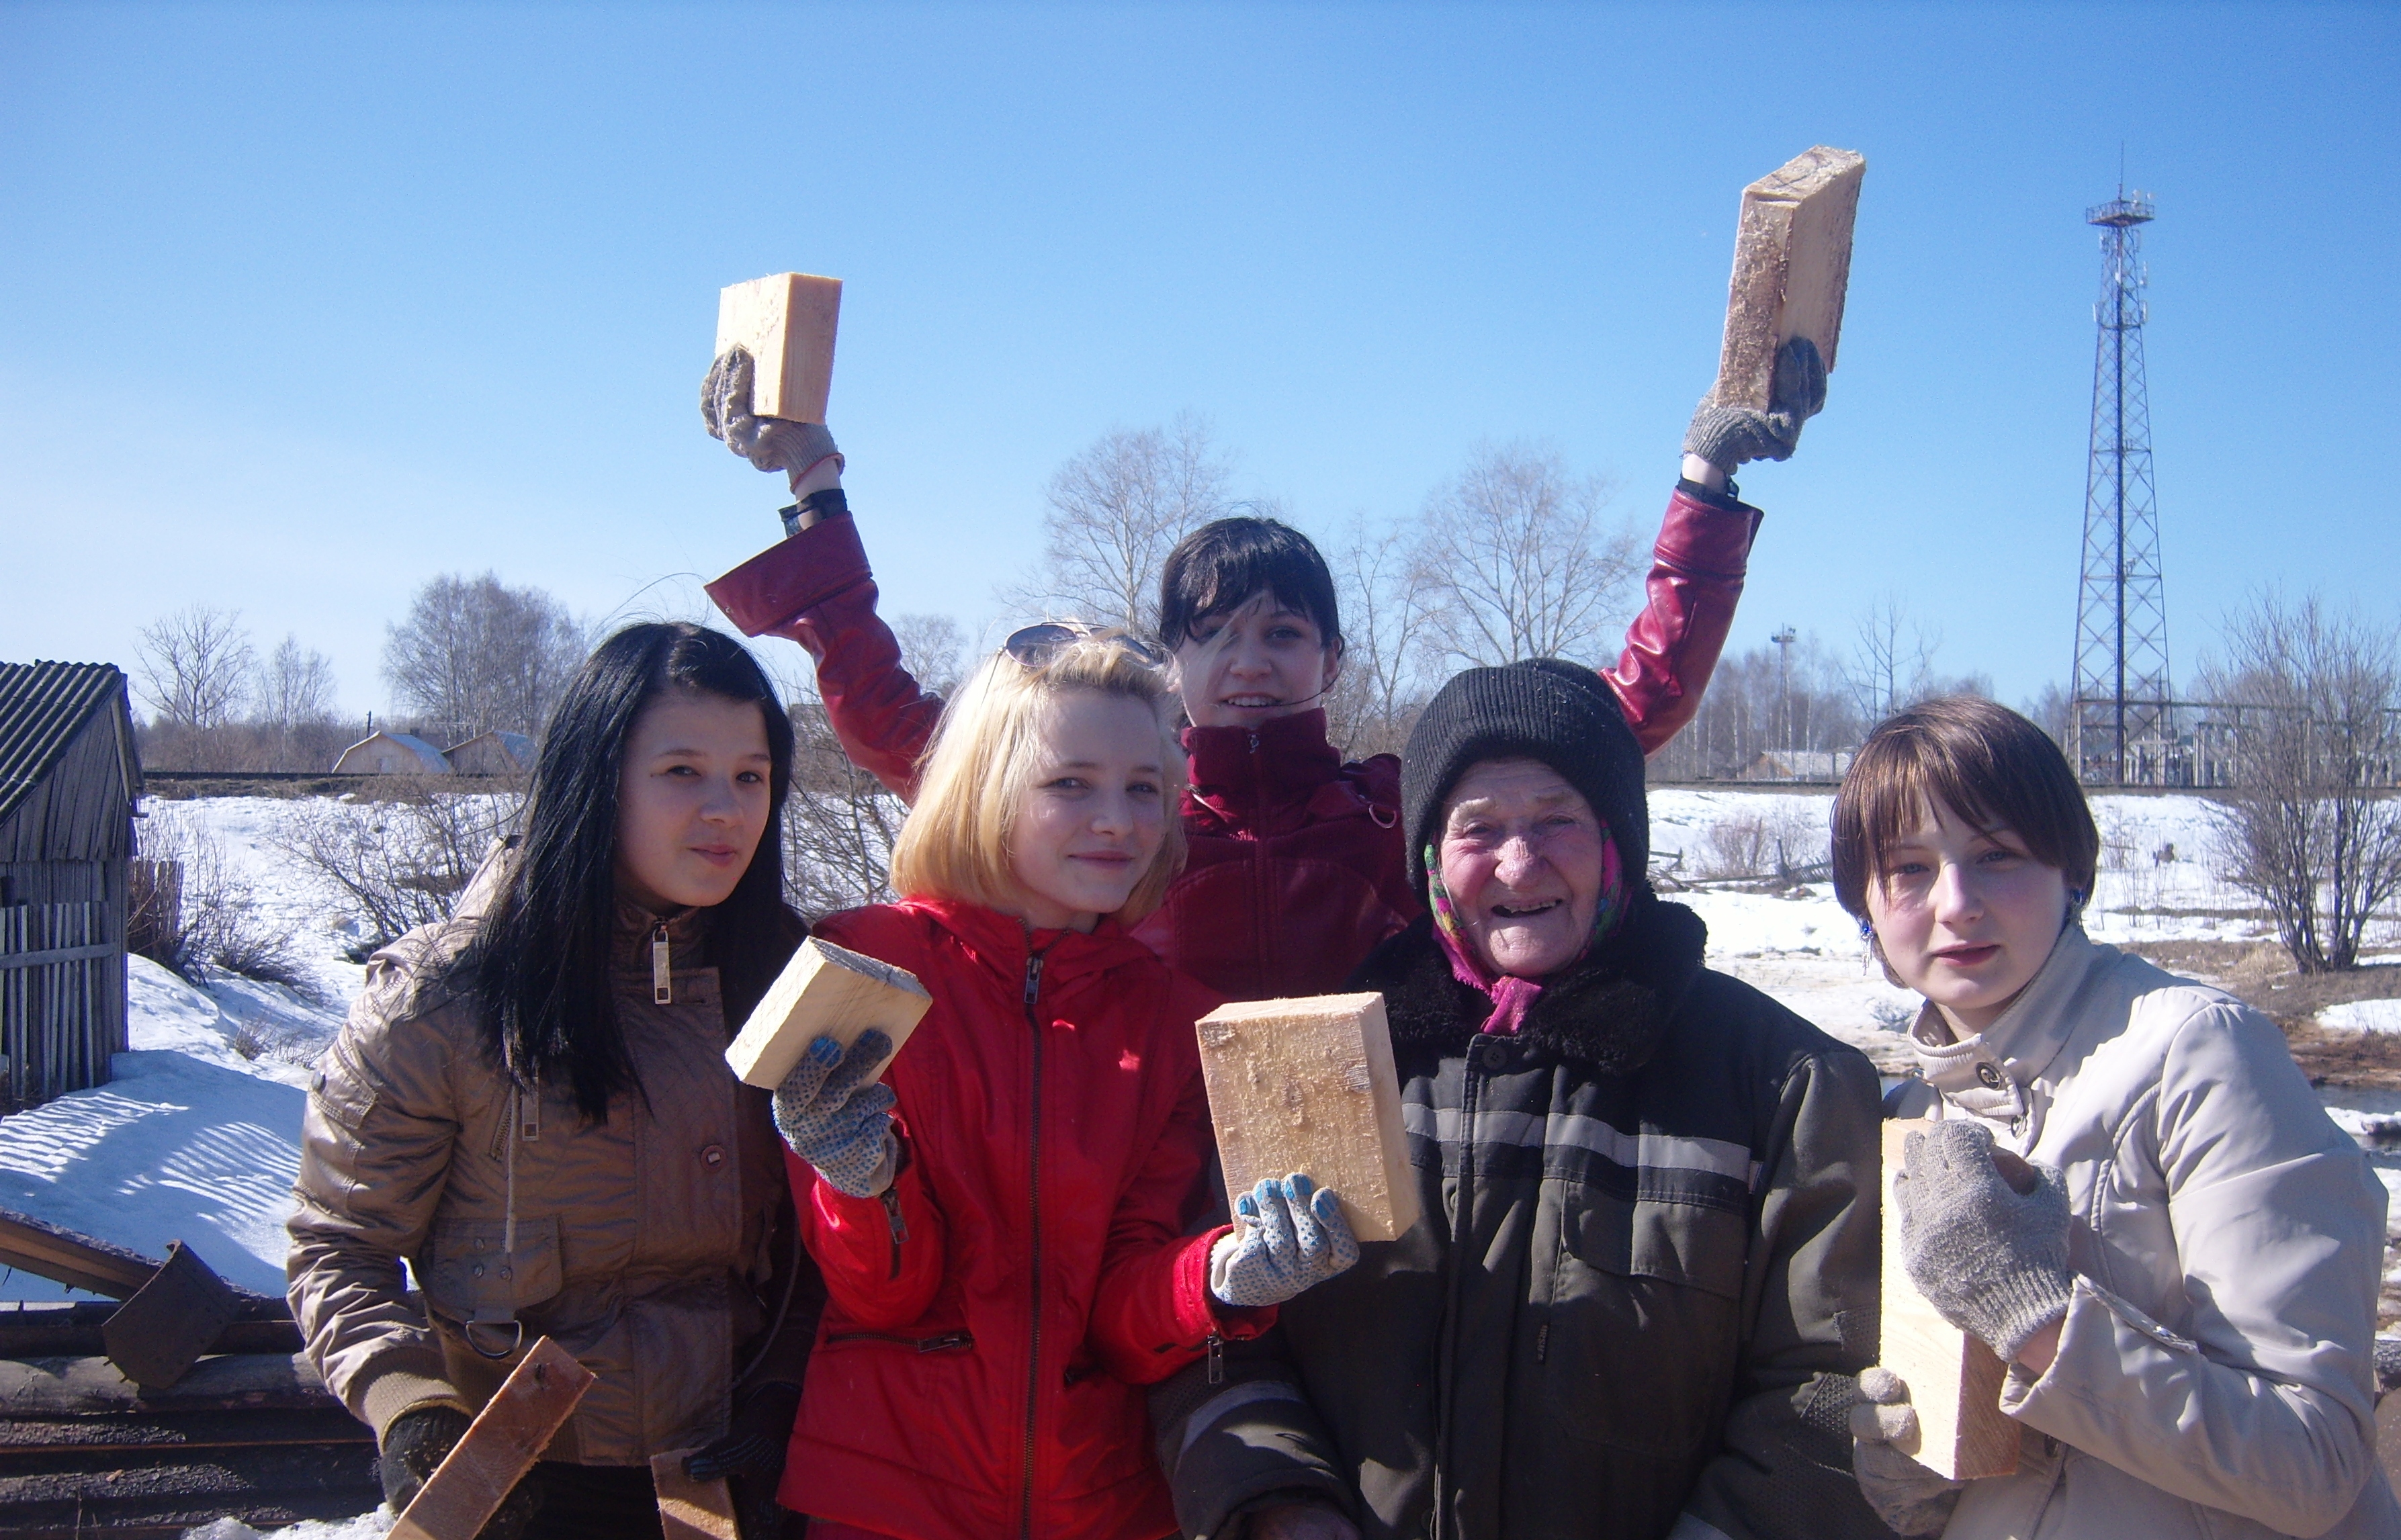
(1610, 1011)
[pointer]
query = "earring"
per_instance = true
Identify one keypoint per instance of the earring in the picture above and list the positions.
(1867, 930)
(2075, 901)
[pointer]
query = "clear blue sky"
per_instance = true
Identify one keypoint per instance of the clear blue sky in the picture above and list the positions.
(302, 304)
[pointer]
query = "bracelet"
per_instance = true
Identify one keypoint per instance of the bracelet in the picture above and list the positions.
(814, 510)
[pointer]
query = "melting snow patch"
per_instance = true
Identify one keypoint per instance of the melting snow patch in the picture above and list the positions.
(369, 1526)
(2363, 1016)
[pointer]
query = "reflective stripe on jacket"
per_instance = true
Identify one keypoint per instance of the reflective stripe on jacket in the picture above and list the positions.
(1297, 867)
(989, 1317)
(2216, 1376)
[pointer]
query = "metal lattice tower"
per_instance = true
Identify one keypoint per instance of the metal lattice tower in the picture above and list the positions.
(2123, 733)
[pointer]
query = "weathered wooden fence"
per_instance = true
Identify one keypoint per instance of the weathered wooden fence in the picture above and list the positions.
(62, 998)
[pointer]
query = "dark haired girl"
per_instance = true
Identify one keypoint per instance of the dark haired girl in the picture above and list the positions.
(1297, 866)
(529, 1107)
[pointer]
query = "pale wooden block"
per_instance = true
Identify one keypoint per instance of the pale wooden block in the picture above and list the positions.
(786, 322)
(507, 1437)
(1955, 1381)
(825, 992)
(1307, 1085)
(1791, 270)
(689, 1510)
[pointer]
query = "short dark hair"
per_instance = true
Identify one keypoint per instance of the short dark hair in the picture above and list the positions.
(1983, 761)
(541, 955)
(1225, 564)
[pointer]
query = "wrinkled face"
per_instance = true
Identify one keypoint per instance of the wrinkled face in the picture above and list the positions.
(1963, 917)
(691, 799)
(1253, 664)
(1521, 855)
(1096, 815)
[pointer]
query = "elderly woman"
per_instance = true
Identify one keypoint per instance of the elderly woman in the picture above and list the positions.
(1647, 1272)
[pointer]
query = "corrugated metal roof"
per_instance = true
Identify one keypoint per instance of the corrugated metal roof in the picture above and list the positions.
(42, 707)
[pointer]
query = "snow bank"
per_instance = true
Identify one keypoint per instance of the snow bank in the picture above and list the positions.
(2363, 1016)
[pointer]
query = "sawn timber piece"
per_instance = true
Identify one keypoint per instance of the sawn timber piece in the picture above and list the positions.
(1955, 1381)
(830, 991)
(786, 322)
(1791, 270)
(502, 1443)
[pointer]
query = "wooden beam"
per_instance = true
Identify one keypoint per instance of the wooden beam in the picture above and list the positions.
(786, 322)
(1955, 1381)
(689, 1510)
(507, 1437)
(79, 1262)
(1307, 1085)
(830, 991)
(1791, 270)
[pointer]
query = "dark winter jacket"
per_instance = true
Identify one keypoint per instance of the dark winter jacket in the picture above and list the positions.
(1296, 866)
(1646, 1276)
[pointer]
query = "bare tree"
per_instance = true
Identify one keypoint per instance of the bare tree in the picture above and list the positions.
(933, 648)
(2313, 829)
(1893, 663)
(1116, 510)
(2053, 711)
(1795, 705)
(839, 822)
(400, 861)
(1383, 683)
(476, 655)
(195, 667)
(295, 687)
(1516, 561)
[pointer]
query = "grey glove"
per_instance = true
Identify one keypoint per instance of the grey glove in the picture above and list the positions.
(837, 1121)
(1908, 1498)
(1287, 1236)
(414, 1446)
(1993, 1260)
(1726, 436)
(771, 444)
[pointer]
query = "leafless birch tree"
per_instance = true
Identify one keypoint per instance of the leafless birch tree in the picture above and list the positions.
(1116, 510)
(195, 666)
(1517, 559)
(475, 654)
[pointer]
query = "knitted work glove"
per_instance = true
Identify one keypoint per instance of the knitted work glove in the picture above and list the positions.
(755, 1444)
(1726, 436)
(1908, 1498)
(837, 1121)
(1287, 1236)
(414, 1445)
(1993, 1260)
(771, 444)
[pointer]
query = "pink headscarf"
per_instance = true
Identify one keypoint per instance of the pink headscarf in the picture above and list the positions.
(1512, 996)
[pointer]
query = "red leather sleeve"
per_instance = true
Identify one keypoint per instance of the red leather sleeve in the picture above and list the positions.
(1696, 573)
(875, 1281)
(816, 589)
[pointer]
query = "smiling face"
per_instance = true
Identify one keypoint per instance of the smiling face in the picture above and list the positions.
(691, 800)
(1521, 856)
(1253, 664)
(1964, 916)
(1095, 813)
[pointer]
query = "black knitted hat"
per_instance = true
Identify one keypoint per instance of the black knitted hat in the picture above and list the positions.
(1560, 712)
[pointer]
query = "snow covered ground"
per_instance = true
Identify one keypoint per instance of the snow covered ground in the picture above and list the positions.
(196, 1137)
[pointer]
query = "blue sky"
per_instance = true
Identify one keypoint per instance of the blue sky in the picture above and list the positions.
(301, 305)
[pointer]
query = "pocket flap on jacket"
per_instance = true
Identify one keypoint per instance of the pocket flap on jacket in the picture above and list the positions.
(466, 1271)
(1691, 1244)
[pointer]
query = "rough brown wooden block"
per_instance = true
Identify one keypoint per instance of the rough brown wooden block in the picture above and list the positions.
(825, 992)
(689, 1510)
(1955, 1381)
(1791, 268)
(1307, 1085)
(786, 322)
(507, 1437)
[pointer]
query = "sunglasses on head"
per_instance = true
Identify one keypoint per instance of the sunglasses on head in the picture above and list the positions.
(1036, 644)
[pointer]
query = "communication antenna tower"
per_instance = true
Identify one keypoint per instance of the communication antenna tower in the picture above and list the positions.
(2124, 734)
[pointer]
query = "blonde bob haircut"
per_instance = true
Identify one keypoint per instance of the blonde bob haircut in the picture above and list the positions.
(981, 765)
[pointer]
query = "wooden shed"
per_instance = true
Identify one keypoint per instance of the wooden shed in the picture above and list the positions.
(494, 753)
(69, 774)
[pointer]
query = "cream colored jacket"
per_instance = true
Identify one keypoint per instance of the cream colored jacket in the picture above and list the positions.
(2214, 1377)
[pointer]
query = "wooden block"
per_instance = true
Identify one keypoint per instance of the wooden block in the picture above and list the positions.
(1791, 268)
(825, 992)
(689, 1510)
(786, 322)
(1307, 1085)
(507, 1437)
(1955, 1381)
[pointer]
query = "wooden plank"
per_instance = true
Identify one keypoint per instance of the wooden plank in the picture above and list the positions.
(507, 1437)
(830, 991)
(1791, 270)
(65, 1257)
(689, 1510)
(1307, 1085)
(787, 321)
(1955, 1381)
(233, 1381)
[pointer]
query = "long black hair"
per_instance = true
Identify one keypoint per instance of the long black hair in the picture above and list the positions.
(542, 955)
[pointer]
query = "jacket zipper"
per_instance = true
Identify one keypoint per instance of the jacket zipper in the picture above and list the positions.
(900, 1226)
(1034, 1165)
(1260, 932)
(947, 1341)
(662, 976)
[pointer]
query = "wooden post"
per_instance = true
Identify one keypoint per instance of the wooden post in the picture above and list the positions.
(830, 991)
(507, 1437)
(786, 322)
(1955, 1381)
(1791, 270)
(1307, 1085)
(689, 1510)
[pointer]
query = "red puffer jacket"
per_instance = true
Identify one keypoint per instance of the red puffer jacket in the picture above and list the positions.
(1296, 869)
(989, 1318)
